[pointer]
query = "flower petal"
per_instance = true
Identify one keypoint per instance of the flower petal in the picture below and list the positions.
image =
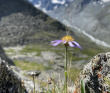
(77, 44)
(70, 44)
(56, 42)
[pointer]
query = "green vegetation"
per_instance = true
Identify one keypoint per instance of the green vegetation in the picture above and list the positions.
(31, 49)
(107, 81)
(59, 49)
(91, 52)
(82, 86)
(42, 35)
(10, 50)
(73, 56)
(74, 73)
(39, 49)
(24, 65)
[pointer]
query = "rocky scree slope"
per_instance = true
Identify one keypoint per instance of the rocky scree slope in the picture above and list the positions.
(21, 23)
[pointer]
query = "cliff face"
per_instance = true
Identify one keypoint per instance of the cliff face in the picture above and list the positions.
(21, 23)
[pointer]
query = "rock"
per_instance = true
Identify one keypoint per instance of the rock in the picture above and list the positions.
(4, 56)
(96, 75)
(36, 59)
(48, 55)
(59, 67)
(49, 74)
(28, 83)
(13, 80)
(9, 81)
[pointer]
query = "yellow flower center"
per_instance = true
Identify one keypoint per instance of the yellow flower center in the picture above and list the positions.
(67, 38)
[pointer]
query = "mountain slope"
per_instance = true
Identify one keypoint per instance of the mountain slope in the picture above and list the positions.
(90, 16)
(21, 23)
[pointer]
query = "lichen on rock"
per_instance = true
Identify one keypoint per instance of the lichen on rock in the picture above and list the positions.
(96, 75)
(9, 81)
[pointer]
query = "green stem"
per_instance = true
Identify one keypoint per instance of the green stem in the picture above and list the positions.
(54, 86)
(34, 83)
(66, 67)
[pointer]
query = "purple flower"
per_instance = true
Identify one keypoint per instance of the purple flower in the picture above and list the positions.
(67, 40)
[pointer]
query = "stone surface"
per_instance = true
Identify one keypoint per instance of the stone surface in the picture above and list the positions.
(96, 75)
(4, 56)
(48, 55)
(27, 79)
(9, 81)
(13, 80)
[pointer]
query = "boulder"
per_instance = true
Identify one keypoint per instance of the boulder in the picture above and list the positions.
(9, 81)
(96, 75)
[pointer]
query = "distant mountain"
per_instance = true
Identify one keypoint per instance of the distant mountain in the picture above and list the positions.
(49, 5)
(90, 17)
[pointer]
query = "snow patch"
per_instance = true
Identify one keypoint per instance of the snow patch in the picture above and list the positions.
(92, 38)
(58, 1)
(44, 10)
(56, 7)
(30, 0)
(37, 5)
(106, 0)
(66, 4)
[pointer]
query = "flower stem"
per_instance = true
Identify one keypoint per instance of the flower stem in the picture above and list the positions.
(34, 83)
(66, 68)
